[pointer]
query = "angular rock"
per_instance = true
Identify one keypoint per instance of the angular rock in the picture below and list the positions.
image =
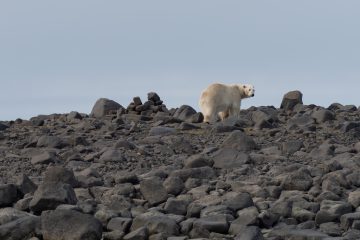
(291, 99)
(239, 141)
(21, 228)
(138, 234)
(303, 234)
(74, 115)
(299, 180)
(103, 107)
(331, 228)
(51, 142)
(69, 225)
(161, 131)
(228, 158)
(354, 198)
(290, 147)
(3, 126)
(347, 220)
(184, 113)
(198, 173)
(174, 185)
(153, 96)
(302, 215)
(250, 233)
(197, 160)
(25, 185)
(214, 223)
(238, 201)
(8, 195)
(10, 214)
(331, 211)
(176, 206)
(49, 195)
(120, 224)
(246, 217)
(60, 174)
(268, 219)
(323, 115)
(153, 190)
(156, 223)
(44, 158)
(112, 155)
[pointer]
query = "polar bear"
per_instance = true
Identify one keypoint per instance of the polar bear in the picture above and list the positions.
(223, 100)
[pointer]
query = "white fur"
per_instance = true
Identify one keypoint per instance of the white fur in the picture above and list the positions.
(223, 100)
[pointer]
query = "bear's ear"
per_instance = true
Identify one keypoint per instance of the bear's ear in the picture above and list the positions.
(244, 86)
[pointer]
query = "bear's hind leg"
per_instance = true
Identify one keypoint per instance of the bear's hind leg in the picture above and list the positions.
(223, 115)
(235, 111)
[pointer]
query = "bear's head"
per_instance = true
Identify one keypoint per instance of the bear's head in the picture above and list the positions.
(247, 90)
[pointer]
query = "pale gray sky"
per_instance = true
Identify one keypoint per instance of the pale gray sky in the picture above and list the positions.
(60, 56)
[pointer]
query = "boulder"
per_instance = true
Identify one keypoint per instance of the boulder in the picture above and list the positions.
(25, 185)
(240, 141)
(69, 225)
(103, 107)
(44, 158)
(153, 190)
(21, 228)
(185, 113)
(8, 195)
(228, 158)
(61, 175)
(49, 195)
(291, 99)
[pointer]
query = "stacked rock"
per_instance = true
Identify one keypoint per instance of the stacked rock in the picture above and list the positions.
(153, 105)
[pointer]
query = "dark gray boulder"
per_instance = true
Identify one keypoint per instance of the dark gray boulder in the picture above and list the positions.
(291, 99)
(198, 160)
(332, 211)
(138, 234)
(250, 233)
(103, 107)
(161, 131)
(240, 141)
(176, 206)
(51, 142)
(112, 155)
(44, 158)
(298, 180)
(238, 201)
(213, 223)
(228, 158)
(153, 190)
(119, 223)
(8, 195)
(49, 195)
(21, 228)
(185, 113)
(25, 185)
(323, 115)
(69, 225)
(292, 146)
(174, 185)
(156, 223)
(348, 219)
(3, 126)
(61, 175)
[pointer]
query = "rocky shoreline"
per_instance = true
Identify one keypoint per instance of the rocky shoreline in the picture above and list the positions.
(147, 172)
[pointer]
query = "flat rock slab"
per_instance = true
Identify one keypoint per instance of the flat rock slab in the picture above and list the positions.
(229, 158)
(70, 225)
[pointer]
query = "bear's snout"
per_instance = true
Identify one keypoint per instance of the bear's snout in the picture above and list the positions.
(253, 94)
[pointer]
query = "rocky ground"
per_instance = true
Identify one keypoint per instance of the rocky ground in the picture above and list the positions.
(148, 172)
